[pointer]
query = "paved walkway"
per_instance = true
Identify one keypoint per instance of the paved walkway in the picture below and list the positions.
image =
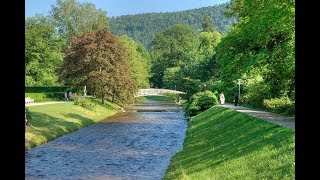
(43, 103)
(268, 116)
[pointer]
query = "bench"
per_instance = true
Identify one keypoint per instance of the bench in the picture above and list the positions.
(28, 100)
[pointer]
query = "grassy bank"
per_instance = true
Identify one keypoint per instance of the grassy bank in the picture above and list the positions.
(53, 120)
(224, 144)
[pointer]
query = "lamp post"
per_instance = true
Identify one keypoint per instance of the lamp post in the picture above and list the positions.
(175, 87)
(239, 82)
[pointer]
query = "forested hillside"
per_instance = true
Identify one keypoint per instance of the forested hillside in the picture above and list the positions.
(143, 27)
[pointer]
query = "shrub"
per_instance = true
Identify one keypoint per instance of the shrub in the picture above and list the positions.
(280, 105)
(84, 102)
(200, 102)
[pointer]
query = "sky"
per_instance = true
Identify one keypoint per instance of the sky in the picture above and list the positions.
(124, 7)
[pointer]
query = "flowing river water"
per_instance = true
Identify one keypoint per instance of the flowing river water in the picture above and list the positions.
(137, 144)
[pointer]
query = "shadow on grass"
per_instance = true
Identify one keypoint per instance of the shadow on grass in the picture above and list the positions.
(49, 127)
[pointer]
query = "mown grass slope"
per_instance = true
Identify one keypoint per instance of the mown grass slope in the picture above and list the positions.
(224, 144)
(53, 120)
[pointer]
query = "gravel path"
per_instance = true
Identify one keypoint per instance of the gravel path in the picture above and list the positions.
(43, 103)
(268, 116)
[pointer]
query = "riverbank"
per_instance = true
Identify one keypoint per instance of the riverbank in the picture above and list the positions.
(222, 143)
(50, 121)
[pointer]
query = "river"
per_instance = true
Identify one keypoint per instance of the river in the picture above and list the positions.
(136, 144)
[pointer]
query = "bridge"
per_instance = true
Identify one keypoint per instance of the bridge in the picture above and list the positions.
(156, 92)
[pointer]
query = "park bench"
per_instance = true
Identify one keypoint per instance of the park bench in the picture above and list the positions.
(28, 100)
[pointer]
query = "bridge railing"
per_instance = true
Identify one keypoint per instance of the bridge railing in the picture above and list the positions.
(157, 92)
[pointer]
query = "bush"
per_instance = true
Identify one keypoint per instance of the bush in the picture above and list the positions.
(280, 105)
(84, 102)
(200, 102)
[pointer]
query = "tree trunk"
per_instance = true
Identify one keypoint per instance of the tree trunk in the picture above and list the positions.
(113, 92)
(102, 98)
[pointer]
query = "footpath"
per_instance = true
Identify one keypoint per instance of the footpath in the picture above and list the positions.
(268, 116)
(43, 103)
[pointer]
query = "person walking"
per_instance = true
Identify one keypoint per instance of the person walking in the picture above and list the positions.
(222, 99)
(236, 99)
(70, 95)
(65, 96)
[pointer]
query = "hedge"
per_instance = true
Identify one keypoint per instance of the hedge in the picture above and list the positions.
(41, 97)
(48, 89)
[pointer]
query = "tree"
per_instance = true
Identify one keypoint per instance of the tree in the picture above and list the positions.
(99, 61)
(139, 60)
(259, 50)
(42, 51)
(73, 18)
(208, 43)
(176, 46)
(206, 66)
(172, 78)
(207, 25)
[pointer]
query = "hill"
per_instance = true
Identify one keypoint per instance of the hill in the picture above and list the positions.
(143, 27)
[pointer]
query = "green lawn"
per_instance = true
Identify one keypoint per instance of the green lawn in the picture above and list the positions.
(224, 144)
(53, 120)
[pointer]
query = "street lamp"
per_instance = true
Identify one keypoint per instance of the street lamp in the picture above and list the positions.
(239, 82)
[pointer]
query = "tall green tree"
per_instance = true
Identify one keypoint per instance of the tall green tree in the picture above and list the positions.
(176, 46)
(99, 61)
(43, 54)
(172, 78)
(139, 60)
(207, 25)
(208, 43)
(206, 67)
(260, 48)
(74, 18)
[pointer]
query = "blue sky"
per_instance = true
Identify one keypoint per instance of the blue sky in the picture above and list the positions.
(125, 7)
